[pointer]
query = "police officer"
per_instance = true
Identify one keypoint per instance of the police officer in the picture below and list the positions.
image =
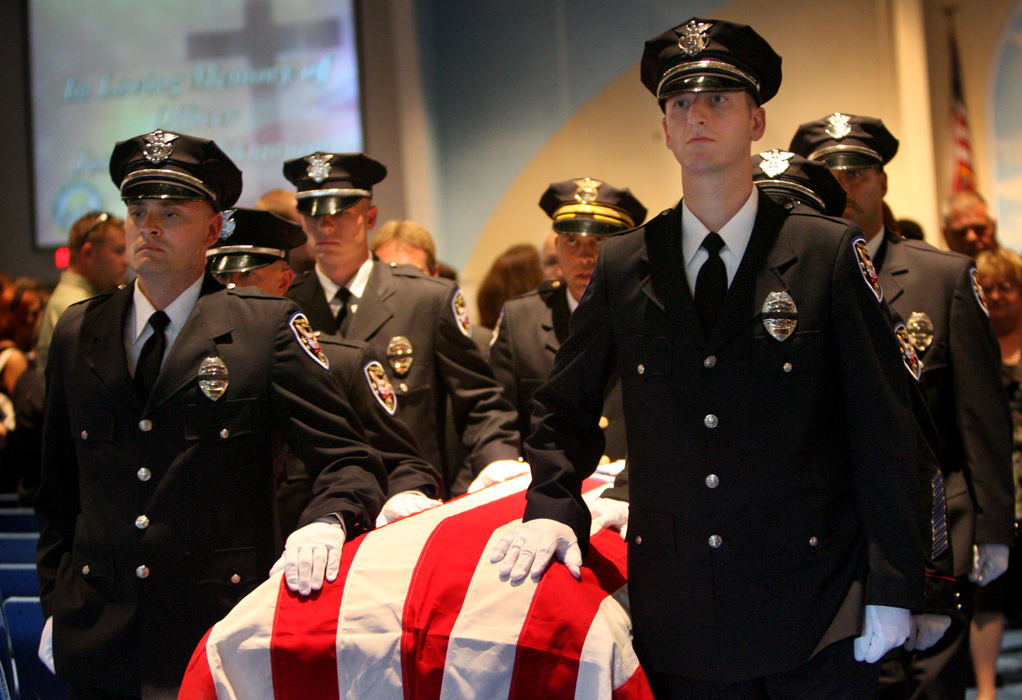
(253, 249)
(791, 179)
(156, 502)
(768, 526)
(584, 212)
(419, 324)
(938, 295)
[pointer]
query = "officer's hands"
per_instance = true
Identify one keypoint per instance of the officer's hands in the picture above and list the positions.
(531, 546)
(988, 562)
(311, 554)
(404, 504)
(610, 513)
(46, 644)
(927, 629)
(883, 629)
(496, 472)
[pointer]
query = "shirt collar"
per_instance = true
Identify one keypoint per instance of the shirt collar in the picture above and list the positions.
(356, 285)
(177, 311)
(736, 232)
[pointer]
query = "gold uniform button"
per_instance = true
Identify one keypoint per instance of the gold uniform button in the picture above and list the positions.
(712, 481)
(86, 569)
(604, 422)
(142, 571)
(145, 425)
(225, 433)
(85, 434)
(710, 362)
(715, 541)
(235, 578)
(786, 367)
(144, 474)
(814, 541)
(710, 421)
(641, 369)
(403, 387)
(142, 522)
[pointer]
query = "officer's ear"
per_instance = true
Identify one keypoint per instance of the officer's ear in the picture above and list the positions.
(883, 180)
(371, 214)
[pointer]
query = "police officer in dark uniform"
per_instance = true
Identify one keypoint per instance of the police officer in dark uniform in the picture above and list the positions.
(419, 324)
(938, 295)
(790, 180)
(157, 495)
(253, 249)
(532, 326)
(772, 534)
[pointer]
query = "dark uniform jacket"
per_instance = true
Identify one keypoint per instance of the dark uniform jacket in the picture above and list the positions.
(962, 385)
(532, 328)
(157, 517)
(770, 479)
(399, 301)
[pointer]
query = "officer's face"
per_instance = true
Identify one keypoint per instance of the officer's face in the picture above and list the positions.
(169, 237)
(970, 230)
(712, 131)
(339, 240)
(577, 256)
(273, 279)
(866, 188)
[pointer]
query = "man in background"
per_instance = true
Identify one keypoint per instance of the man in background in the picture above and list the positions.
(968, 227)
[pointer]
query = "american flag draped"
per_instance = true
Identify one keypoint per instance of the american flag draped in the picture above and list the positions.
(963, 177)
(418, 613)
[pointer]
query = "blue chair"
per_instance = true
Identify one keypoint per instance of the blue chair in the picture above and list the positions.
(7, 660)
(18, 520)
(18, 579)
(18, 547)
(25, 622)
(8, 500)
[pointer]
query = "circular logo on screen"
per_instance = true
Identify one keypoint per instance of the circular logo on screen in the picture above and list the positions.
(73, 200)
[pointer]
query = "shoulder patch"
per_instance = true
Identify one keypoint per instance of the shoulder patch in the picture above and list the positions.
(460, 310)
(908, 352)
(869, 273)
(307, 338)
(379, 384)
(977, 290)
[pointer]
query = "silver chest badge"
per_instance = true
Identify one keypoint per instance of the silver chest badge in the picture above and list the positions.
(693, 37)
(837, 125)
(319, 166)
(158, 146)
(775, 161)
(920, 330)
(400, 355)
(213, 377)
(779, 315)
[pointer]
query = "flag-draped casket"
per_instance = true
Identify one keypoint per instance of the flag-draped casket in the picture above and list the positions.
(418, 613)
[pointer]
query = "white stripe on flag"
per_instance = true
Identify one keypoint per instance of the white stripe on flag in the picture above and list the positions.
(608, 659)
(238, 648)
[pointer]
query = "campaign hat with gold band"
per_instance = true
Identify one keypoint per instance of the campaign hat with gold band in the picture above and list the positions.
(329, 183)
(845, 141)
(787, 176)
(251, 239)
(710, 55)
(588, 207)
(166, 165)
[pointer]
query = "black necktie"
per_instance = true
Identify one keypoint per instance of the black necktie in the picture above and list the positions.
(711, 283)
(151, 357)
(343, 295)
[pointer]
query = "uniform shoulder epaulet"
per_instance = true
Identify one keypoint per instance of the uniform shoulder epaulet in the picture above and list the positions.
(948, 256)
(546, 288)
(249, 292)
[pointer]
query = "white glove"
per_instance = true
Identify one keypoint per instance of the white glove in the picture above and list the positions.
(988, 562)
(531, 547)
(404, 504)
(310, 554)
(611, 513)
(496, 472)
(609, 468)
(883, 629)
(46, 644)
(927, 629)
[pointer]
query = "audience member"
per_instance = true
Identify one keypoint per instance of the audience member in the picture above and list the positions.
(515, 271)
(968, 227)
(406, 243)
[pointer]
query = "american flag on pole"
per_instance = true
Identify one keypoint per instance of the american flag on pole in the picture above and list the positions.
(963, 177)
(418, 613)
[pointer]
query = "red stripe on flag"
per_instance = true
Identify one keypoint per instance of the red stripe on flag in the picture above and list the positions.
(198, 681)
(437, 590)
(305, 628)
(559, 618)
(635, 688)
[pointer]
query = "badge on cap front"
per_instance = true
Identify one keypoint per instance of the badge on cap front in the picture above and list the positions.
(775, 161)
(920, 330)
(588, 190)
(869, 273)
(780, 315)
(380, 386)
(227, 227)
(460, 309)
(319, 166)
(977, 289)
(837, 125)
(908, 352)
(306, 337)
(158, 146)
(400, 355)
(213, 377)
(694, 37)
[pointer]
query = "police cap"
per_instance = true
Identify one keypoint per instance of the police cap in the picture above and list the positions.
(251, 239)
(165, 165)
(845, 141)
(588, 207)
(787, 176)
(329, 183)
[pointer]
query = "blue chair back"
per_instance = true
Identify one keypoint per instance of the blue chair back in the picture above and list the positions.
(25, 622)
(18, 579)
(18, 520)
(18, 547)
